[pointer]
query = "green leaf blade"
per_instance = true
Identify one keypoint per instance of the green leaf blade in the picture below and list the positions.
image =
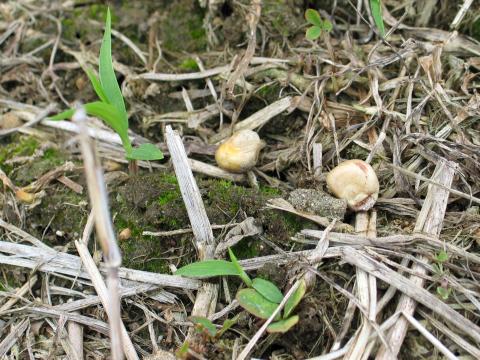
(313, 17)
(268, 290)
(295, 299)
(283, 326)
(252, 301)
(313, 33)
(376, 7)
(243, 275)
(110, 115)
(97, 86)
(208, 268)
(63, 115)
(145, 152)
(108, 79)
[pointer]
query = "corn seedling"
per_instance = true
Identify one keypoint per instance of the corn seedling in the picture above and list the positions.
(261, 297)
(111, 107)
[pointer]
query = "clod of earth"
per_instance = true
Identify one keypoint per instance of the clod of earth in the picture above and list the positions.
(356, 182)
(318, 202)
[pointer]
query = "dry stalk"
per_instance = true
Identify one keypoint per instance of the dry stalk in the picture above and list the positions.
(106, 236)
(75, 335)
(430, 221)
(19, 293)
(256, 120)
(9, 340)
(365, 224)
(410, 289)
(252, 18)
(204, 241)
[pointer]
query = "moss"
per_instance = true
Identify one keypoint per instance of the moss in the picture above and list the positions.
(182, 27)
(270, 191)
(284, 17)
(19, 146)
(188, 64)
(247, 249)
(25, 174)
(153, 202)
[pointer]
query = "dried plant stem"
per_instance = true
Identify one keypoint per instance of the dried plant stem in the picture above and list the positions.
(9, 340)
(429, 336)
(123, 340)
(430, 221)
(365, 225)
(19, 293)
(75, 335)
(106, 236)
(202, 230)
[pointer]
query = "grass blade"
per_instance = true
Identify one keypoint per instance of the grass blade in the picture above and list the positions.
(376, 7)
(295, 299)
(243, 275)
(208, 268)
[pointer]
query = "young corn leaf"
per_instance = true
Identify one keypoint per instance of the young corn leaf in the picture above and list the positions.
(208, 268)
(204, 324)
(283, 326)
(313, 17)
(252, 301)
(268, 290)
(243, 275)
(104, 111)
(107, 74)
(376, 6)
(145, 152)
(295, 299)
(67, 114)
(96, 85)
(111, 108)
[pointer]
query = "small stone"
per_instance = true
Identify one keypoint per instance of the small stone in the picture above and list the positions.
(318, 203)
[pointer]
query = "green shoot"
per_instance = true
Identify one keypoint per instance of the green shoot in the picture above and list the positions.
(111, 107)
(318, 25)
(208, 268)
(243, 275)
(260, 299)
(376, 7)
